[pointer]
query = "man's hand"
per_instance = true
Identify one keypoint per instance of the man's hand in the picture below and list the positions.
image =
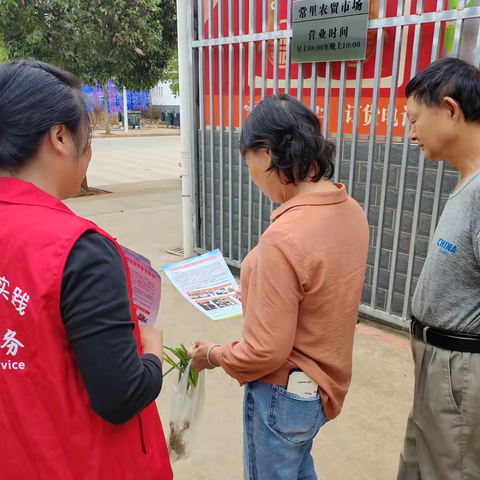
(152, 341)
(198, 354)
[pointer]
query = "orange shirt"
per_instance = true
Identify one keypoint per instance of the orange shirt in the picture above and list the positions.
(301, 289)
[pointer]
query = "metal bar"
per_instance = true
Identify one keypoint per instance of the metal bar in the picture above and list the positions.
(458, 29)
(477, 50)
(194, 174)
(387, 319)
(228, 261)
(341, 113)
(276, 61)
(212, 143)
(264, 69)
(403, 175)
(201, 88)
(220, 18)
(300, 82)
(441, 165)
(386, 164)
(436, 33)
(245, 38)
(264, 94)
(241, 103)
(221, 125)
(276, 15)
(264, 49)
(356, 119)
(264, 16)
(444, 16)
(212, 122)
(416, 209)
(373, 129)
(276, 52)
(313, 92)
(231, 80)
(413, 238)
(288, 60)
(326, 99)
(276, 67)
(406, 20)
(252, 64)
(210, 19)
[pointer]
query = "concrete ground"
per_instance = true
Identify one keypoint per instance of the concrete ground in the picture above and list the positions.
(362, 444)
(149, 131)
(133, 159)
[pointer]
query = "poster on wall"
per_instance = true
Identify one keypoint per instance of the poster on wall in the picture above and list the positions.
(329, 31)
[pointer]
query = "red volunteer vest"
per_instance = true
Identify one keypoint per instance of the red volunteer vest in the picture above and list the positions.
(48, 431)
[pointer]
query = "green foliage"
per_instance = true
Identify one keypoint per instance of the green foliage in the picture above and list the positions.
(171, 75)
(129, 41)
(183, 360)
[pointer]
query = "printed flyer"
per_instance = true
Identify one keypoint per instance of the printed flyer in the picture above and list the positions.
(207, 283)
(146, 286)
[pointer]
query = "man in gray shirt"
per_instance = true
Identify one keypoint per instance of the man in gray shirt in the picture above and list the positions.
(443, 432)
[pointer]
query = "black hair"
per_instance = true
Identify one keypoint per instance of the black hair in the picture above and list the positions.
(292, 134)
(449, 77)
(35, 97)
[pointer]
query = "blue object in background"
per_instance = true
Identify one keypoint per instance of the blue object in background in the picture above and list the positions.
(138, 101)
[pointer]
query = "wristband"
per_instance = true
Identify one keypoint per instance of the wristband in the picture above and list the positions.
(208, 355)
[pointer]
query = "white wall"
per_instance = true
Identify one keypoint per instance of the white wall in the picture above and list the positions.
(162, 95)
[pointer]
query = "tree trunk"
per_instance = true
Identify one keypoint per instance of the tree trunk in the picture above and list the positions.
(107, 115)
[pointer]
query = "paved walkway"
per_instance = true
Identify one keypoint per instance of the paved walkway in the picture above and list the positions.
(362, 444)
(135, 159)
(141, 132)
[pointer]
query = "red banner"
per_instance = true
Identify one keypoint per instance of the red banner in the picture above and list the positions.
(389, 34)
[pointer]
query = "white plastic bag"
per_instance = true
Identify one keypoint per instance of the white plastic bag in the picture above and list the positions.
(185, 412)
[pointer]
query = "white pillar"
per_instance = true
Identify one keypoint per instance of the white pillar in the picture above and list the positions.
(125, 110)
(185, 127)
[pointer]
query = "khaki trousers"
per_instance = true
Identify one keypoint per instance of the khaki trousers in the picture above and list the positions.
(443, 431)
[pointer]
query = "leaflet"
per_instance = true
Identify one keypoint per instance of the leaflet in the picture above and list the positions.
(207, 283)
(146, 287)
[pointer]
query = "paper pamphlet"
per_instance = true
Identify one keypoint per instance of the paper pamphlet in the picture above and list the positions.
(146, 286)
(207, 283)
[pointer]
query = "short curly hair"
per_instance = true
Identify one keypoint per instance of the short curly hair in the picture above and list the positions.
(292, 134)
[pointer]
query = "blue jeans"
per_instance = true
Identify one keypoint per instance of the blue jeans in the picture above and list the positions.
(279, 428)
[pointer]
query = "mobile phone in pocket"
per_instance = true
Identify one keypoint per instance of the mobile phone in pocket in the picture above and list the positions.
(299, 383)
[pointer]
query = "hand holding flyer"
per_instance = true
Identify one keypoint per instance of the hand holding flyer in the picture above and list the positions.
(146, 287)
(207, 283)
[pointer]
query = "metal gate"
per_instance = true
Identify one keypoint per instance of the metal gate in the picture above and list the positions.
(240, 51)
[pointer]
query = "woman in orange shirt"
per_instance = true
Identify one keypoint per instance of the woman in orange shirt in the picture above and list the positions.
(301, 290)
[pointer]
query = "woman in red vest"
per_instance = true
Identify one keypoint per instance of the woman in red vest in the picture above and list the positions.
(78, 378)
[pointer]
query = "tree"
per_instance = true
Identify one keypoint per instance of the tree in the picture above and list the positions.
(128, 41)
(171, 75)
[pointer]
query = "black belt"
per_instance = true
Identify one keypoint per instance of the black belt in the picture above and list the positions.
(458, 342)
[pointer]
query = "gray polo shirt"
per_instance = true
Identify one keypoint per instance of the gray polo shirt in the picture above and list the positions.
(448, 291)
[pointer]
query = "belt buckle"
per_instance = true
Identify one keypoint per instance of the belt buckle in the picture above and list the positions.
(425, 330)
